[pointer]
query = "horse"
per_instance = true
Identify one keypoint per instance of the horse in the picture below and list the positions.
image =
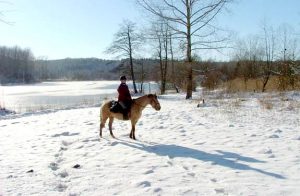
(137, 106)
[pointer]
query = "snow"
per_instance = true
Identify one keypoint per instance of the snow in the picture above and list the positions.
(229, 145)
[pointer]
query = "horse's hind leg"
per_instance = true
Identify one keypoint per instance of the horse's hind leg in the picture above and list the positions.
(111, 120)
(102, 124)
(132, 133)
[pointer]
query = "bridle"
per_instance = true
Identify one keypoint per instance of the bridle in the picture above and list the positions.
(156, 103)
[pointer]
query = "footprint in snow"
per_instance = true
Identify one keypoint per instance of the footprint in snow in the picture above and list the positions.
(220, 190)
(63, 174)
(191, 174)
(157, 190)
(61, 187)
(144, 184)
(77, 166)
(114, 143)
(271, 156)
(66, 133)
(200, 143)
(63, 149)
(185, 167)
(274, 136)
(213, 180)
(53, 166)
(149, 172)
(170, 163)
(73, 194)
(266, 151)
(89, 123)
(65, 143)
(15, 123)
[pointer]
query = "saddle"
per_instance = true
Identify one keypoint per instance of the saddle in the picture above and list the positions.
(116, 107)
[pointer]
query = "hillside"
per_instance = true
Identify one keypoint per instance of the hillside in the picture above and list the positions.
(77, 69)
(92, 69)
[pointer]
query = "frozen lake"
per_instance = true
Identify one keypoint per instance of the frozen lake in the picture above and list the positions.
(60, 95)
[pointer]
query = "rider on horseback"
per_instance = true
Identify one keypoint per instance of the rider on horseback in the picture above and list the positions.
(124, 98)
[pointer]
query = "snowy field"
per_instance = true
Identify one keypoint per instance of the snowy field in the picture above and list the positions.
(238, 145)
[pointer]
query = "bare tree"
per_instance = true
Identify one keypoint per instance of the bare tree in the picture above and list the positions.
(269, 53)
(162, 33)
(288, 42)
(2, 13)
(160, 37)
(249, 53)
(126, 42)
(192, 22)
(172, 63)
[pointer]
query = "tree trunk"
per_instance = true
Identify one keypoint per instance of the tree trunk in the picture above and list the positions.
(172, 64)
(131, 63)
(132, 74)
(165, 65)
(265, 82)
(189, 88)
(162, 86)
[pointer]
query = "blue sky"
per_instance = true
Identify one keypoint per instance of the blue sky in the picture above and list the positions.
(85, 28)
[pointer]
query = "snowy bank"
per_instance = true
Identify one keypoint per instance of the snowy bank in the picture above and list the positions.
(227, 146)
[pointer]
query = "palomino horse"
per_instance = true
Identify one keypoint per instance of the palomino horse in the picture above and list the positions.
(138, 105)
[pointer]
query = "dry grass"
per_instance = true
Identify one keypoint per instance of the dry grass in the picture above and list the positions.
(291, 104)
(237, 103)
(266, 103)
(255, 85)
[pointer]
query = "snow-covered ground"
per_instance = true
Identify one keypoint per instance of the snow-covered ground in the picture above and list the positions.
(231, 145)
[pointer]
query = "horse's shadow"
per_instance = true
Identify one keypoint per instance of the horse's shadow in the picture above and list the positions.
(221, 158)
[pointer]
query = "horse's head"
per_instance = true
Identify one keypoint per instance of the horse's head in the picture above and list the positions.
(154, 102)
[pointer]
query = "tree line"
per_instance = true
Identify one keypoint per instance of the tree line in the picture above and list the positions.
(16, 65)
(19, 65)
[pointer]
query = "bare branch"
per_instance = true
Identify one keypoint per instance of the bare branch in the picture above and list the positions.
(174, 8)
(213, 7)
(158, 12)
(207, 22)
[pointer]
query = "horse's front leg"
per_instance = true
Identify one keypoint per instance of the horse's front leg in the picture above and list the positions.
(111, 120)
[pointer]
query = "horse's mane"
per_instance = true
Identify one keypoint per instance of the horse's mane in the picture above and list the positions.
(148, 95)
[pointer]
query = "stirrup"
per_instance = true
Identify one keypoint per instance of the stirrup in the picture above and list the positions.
(126, 116)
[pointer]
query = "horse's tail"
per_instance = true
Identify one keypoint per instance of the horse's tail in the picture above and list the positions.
(102, 108)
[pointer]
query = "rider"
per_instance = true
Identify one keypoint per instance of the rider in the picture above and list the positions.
(124, 98)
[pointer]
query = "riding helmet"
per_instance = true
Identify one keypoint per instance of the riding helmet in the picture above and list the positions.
(123, 78)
